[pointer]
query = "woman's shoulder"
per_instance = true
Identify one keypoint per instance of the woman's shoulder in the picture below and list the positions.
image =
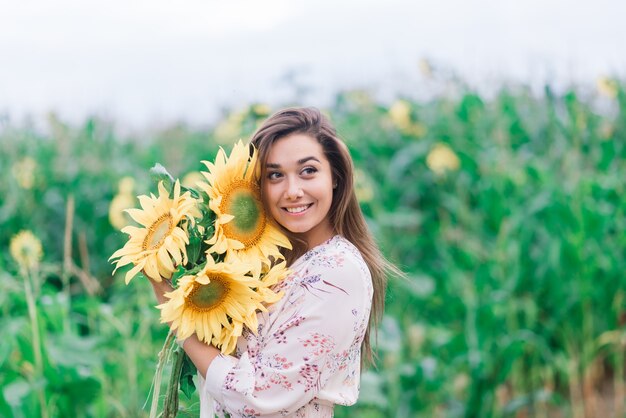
(336, 253)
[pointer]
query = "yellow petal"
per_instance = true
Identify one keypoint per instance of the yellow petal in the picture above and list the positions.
(132, 273)
(152, 270)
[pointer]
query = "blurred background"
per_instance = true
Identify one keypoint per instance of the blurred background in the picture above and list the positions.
(489, 139)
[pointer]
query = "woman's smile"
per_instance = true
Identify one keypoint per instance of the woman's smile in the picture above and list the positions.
(298, 210)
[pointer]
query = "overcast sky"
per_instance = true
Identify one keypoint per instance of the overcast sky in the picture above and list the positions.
(146, 62)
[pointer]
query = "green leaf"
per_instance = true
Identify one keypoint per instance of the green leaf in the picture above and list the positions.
(79, 391)
(158, 173)
(195, 245)
(186, 377)
(208, 217)
(6, 347)
(180, 272)
(194, 193)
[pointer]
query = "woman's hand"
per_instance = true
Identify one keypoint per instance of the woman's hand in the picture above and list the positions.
(200, 353)
(160, 287)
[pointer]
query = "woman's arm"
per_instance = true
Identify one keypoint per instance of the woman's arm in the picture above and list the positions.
(200, 353)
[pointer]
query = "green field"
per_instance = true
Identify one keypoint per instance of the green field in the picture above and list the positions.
(507, 212)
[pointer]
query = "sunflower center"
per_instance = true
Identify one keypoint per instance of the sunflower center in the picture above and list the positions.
(157, 232)
(205, 297)
(243, 201)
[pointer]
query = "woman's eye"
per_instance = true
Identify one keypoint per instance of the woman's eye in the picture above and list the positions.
(273, 175)
(309, 170)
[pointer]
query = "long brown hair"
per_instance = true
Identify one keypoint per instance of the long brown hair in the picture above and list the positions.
(345, 213)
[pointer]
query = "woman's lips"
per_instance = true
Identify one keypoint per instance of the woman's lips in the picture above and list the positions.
(297, 210)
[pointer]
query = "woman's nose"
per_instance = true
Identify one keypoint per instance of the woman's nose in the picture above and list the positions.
(294, 191)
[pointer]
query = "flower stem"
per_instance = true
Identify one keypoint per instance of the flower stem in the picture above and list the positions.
(67, 262)
(34, 324)
(156, 381)
(170, 405)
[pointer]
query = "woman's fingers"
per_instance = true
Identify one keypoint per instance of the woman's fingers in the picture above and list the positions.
(160, 288)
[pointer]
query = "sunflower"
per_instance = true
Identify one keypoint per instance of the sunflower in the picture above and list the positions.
(270, 278)
(227, 342)
(161, 237)
(215, 304)
(26, 249)
(242, 229)
(441, 159)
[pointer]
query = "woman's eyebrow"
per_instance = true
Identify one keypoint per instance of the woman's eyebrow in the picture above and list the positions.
(304, 160)
(300, 162)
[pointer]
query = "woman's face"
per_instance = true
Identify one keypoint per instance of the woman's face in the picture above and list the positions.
(298, 187)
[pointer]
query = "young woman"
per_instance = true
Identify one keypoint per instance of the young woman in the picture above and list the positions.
(308, 351)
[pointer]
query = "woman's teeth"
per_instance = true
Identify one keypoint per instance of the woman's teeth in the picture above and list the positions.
(298, 209)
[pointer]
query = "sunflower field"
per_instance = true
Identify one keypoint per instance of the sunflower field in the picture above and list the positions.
(506, 211)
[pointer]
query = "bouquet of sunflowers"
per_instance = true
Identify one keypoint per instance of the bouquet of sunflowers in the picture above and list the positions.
(220, 251)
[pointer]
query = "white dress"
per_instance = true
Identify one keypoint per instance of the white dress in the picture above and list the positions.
(307, 354)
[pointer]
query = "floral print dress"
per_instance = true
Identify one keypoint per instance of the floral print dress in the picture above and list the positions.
(306, 355)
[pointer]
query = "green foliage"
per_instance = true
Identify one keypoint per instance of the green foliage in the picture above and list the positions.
(514, 303)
